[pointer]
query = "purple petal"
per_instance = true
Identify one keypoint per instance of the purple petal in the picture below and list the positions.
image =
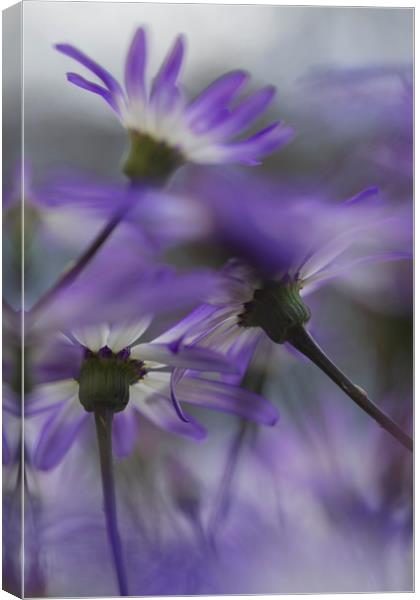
(50, 395)
(124, 432)
(158, 409)
(186, 357)
(110, 81)
(333, 271)
(245, 113)
(135, 66)
(57, 361)
(176, 375)
(193, 320)
(216, 96)
(226, 398)
(166, 78)
(242, 352)
(58, 435)
(262, 143)
(182, 290)
(212, 120)
(95, 88)
(365, 194)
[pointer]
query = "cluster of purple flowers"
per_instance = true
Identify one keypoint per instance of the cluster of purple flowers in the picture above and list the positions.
(139, 331)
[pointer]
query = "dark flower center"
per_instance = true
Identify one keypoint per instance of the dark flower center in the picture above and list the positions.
(105, 379)
(277, 308)
(149, 160)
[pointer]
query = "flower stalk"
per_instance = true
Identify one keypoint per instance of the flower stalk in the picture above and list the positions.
(299, 337)
(278, 309)
(71, 274)
(103, 421)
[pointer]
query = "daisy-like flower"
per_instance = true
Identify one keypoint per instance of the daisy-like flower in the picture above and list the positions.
(165, 129)
(288, 250)
(114, 371)
(269, 301)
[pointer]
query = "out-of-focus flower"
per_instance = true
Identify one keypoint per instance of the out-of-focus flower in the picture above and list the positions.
(371, 109)
(293, 245)
(58, 231)
(166, 130)
(114, 370)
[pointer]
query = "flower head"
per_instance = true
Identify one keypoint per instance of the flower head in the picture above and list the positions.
(165, 129)
(112, 369)
(288, 248)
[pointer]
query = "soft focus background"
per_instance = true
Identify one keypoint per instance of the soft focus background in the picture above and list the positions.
(322, 501)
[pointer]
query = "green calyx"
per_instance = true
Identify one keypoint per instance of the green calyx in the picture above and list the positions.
(105, 379)
(149, 160)
(277, 308)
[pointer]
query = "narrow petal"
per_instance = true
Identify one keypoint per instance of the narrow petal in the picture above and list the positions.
(332, 272)
(170, 293)
(57, 361)
(175, 377)
(58, 434)
(187, 357)
(125, 431)
(158, 409)
(326, 254)
(242, 352)
(49, 395)
(158, 381)
(193, 320)
(217, 95)
(361, 197)
(93, 337)
(262, 143)
(226, 398)
(169, 71)
(135, 66)
(110, 81)
(244, 115)
(96, 89)
(124, 334)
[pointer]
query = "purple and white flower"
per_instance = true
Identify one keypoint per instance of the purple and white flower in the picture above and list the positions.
(155, 389)
(204, 130)
(305, 241)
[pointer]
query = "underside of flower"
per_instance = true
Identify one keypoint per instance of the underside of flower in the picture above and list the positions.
(150, 160)
(105, 379)
(277, 308)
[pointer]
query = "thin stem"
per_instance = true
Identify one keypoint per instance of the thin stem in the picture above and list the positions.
(303, 341)
(103, 420)
(71, 274)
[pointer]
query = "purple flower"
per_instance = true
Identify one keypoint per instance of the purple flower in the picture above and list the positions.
(131, 376)
(302, 241)
(165, 128)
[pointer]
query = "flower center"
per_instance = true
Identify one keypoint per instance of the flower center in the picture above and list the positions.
(149, 160)
(105, 379)
(277, 308)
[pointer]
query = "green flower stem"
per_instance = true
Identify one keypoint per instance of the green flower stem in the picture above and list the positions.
(103, 420)
(71, 274)
(303, 341)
